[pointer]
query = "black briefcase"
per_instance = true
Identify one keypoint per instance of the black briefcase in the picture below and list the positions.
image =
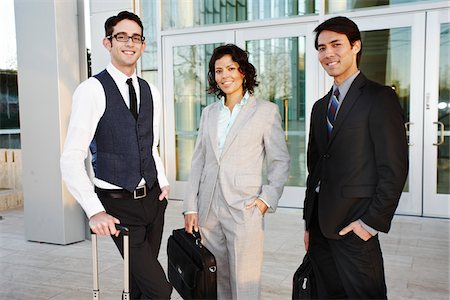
(192, 267)
(304, 283)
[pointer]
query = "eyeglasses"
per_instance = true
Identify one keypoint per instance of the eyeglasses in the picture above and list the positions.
(123, 38)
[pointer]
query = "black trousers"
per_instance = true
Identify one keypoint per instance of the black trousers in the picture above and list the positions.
(348, 268)
(145, 219)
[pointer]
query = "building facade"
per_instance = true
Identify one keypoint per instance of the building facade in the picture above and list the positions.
(406, 45)
(9, 110)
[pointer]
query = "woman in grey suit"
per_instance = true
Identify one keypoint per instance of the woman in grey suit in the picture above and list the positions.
(227, 198)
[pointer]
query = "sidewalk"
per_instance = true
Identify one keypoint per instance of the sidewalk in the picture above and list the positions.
(416, 254)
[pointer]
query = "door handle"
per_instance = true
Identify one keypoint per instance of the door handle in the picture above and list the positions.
(286, 118)
(407, 126)
(441, 139)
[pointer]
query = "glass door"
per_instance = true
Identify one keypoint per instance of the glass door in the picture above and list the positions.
(393, 55)
(408, 51)
(279, 55)
(436, 196)
(284, 57)
(185, 72)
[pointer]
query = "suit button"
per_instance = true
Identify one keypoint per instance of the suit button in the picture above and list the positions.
(326, 156)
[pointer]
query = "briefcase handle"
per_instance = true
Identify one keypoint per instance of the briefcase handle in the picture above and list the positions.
(197, 237)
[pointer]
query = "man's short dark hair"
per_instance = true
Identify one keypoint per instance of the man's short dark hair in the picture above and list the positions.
(245, 67)
(341, 25)
(123, 15)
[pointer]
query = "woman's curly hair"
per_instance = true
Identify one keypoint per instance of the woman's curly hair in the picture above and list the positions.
(245, 67)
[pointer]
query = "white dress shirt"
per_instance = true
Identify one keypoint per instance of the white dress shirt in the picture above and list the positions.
(88, 106)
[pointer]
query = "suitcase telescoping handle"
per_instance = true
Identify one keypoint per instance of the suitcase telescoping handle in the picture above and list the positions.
(126, 263)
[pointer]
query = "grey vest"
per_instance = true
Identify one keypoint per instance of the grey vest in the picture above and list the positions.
(122, 146)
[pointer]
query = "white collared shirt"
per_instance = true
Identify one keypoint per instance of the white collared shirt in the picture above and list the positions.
(88, 106)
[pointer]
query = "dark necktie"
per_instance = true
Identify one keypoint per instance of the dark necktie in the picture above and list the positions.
(133, 99)
(332, 111)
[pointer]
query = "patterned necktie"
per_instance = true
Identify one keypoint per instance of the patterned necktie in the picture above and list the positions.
(332, 111)
(133, 98)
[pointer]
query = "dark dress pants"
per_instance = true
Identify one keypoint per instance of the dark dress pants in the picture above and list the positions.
(145, 219)
(348, 268)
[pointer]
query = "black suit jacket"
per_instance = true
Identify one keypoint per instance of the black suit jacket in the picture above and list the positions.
(363, 166)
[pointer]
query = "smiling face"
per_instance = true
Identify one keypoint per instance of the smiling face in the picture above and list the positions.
(124, 55)
(337, 55)
(229, 78)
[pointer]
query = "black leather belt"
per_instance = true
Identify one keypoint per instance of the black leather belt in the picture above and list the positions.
(139, 193)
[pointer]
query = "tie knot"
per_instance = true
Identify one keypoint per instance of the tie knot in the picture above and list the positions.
(130, 81)
(336, 92)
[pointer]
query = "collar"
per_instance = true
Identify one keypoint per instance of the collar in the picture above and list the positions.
(345, 86)
(241, 103)
(119, 77)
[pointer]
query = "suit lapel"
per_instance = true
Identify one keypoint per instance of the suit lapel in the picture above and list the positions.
(322, 107)
(350, 99)
(245, 114)
(214, 116)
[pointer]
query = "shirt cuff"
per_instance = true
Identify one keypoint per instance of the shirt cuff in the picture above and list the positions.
(265, 202)
(189, 212)
(372, 231)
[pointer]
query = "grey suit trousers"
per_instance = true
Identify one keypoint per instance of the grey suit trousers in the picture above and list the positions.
(238, 248)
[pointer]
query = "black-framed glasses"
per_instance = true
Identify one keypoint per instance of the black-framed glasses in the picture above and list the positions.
(123, 38)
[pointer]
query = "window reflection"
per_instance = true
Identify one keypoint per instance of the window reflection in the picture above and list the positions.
(193, 13)
(387, 59)
(190, 72)
(149, 61)
(280, 65)
(443, 159)
(9, 110)
(335, 6)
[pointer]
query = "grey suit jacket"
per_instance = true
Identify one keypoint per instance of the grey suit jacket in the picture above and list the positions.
(256, 136)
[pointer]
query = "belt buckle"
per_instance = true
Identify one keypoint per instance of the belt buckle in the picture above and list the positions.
(140, 192)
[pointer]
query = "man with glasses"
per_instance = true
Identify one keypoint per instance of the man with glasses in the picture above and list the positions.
(116, 115)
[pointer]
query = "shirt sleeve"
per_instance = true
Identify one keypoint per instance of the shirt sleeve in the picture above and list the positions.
(189, 212)
(265, 202)
(369, 229)
(162, 179)
(88, 105)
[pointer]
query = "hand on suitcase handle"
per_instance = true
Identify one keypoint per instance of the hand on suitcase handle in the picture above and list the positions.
(123, 229)
(103, 223)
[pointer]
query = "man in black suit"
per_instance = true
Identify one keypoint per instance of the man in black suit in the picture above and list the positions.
(357, 163)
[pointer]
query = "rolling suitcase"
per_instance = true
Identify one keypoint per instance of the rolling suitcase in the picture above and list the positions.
(126, 263)
(192, 269)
